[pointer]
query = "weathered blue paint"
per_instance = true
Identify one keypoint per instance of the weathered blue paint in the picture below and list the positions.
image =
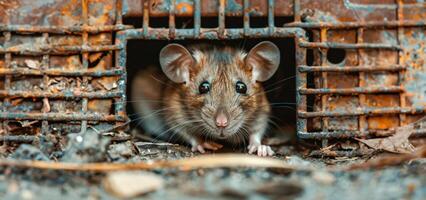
(233, 6)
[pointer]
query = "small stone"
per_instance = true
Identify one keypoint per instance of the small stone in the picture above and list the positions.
(131, 184)
(324, 177)
(26, 194)
(33, 64)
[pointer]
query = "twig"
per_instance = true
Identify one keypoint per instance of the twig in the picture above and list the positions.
(203, 161)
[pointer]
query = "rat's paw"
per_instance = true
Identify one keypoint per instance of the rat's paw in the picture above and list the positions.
(206, 145)
(262, 150)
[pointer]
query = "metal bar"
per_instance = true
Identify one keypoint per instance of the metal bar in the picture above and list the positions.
(362, 120)
(354, 90)
(332, 134)
(221, 18)
(346, 134)
(296, 11)
(134, 8)
(271, 22)
(58, 95)
(120, 60)
(59, 72)
(7, 80)
(60, 116)
(301, 80)
(85, 62)
(46, 106)
(349, 69)
(246, 18)
(357, 24)
(212, 34)
(18, 138)
(349, 46)
(401, 60)
(63, 29)
(57, 50)
(284, 8)
(119, 12)
(363, 111)
(31, 138)
(197, 18)
(172, 24)
(324, 81)
(145, 23)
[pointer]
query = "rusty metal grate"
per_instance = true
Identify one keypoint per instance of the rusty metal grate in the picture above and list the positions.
(366, 97)
(362, 92)
(315, 124)
(37, 56)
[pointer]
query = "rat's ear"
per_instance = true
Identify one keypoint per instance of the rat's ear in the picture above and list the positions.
(263, 60)
(175, 61)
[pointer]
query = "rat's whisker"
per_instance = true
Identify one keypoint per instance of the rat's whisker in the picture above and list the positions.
(280, 81)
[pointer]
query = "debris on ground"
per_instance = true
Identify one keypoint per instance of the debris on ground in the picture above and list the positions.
(131, 184)
(29, 152)
(121, 152)
(32, 64)
(397, 143)
(86, 147)
(390, 160)
(86, 167)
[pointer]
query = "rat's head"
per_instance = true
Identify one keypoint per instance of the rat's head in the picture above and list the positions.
(221, 85)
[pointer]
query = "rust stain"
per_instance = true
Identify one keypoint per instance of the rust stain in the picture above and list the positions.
(42, 49)
(184, 8)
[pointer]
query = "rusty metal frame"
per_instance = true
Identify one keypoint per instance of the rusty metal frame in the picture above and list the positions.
(45, 50)
(271, 31)
(295, 30)
(363, 89)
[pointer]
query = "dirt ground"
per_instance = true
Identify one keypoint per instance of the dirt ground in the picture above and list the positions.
(405, 181)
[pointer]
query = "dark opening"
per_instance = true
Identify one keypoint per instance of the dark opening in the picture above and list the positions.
(207, 22)
(336, 56)
(280, 88)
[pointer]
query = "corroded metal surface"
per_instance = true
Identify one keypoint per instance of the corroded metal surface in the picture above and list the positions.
(363, 94)
(353, 101)
(58, 51)
(57, 67)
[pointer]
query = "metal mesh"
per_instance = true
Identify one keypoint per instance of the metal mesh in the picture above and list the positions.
(49, 84)
(359, 117)
(355, 98)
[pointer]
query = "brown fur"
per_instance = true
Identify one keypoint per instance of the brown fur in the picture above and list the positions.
(192, 116)
(222, 67)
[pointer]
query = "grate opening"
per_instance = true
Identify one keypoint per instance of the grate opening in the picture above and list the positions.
(281, 88)
(207, 22)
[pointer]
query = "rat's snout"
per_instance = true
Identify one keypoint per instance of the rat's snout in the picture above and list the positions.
(222, 119)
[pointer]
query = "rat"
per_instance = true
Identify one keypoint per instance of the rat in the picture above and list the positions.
(208, 93)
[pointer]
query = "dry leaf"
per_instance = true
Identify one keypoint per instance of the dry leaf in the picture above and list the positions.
(389, 160)
(397, 143)
(33, 64)
(108, 83)
(28, 123)
(132, 184)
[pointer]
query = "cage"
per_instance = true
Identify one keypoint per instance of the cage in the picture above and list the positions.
(359, 64)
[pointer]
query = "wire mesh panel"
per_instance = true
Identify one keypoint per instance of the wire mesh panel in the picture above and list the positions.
(367, 73)
(56, 60)
(371, 90)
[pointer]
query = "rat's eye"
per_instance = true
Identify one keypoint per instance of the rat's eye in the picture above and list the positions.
(204, 87)
(241, 87)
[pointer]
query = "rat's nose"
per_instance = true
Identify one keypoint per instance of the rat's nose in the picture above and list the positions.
(221, 120)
